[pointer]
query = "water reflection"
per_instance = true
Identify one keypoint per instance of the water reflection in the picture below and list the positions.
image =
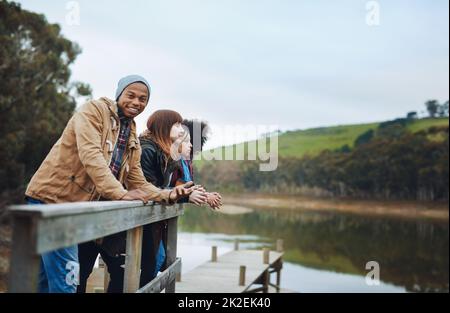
(412, 254)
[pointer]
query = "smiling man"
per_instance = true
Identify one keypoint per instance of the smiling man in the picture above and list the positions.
(96, 158)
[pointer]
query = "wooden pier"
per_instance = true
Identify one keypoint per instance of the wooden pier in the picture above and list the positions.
(234, 272)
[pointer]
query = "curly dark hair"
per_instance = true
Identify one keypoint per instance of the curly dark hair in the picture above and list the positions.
(199, 125)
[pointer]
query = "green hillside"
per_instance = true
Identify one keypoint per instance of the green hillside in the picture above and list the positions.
(312, 141)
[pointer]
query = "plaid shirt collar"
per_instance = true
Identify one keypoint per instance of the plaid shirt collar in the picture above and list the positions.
(121, 145)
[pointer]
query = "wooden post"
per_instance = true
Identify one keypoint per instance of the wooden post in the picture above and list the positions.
(133, 260)
(280, 245)
(25, 261)
(213, 254)
(236, 245)
(278, 280)
(266, 255)
(171, 254)
(266, 274)
(178, 275)
(280, 249)
(242, 270)
(266, 281)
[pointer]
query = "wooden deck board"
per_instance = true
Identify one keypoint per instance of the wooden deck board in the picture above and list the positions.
(223, 276)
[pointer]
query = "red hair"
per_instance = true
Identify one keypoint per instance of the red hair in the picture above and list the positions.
(159, 125)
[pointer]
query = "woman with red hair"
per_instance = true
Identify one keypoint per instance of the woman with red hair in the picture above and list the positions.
(159, 160)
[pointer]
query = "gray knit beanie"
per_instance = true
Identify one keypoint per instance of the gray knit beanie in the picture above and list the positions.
(128, 80)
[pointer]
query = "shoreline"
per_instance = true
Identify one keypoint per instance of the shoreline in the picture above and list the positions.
(382, 208)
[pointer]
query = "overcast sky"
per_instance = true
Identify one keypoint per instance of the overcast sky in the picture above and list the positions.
(296, 64)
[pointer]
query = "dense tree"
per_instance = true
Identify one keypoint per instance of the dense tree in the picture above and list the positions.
(443, 109)
(364, 137)
(411, 115)
(36, 95)
(432, 107)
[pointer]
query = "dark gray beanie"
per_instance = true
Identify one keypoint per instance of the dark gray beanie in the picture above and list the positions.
(128, 80)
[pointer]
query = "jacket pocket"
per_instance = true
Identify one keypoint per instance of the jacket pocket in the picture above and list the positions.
(83, 183)
(64, 188)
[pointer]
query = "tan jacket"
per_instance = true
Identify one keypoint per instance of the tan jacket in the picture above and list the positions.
(77, 167)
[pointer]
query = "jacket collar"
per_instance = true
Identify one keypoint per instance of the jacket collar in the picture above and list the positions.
(113, 109)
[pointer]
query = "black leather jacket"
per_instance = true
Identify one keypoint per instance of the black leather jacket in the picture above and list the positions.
(153, 162)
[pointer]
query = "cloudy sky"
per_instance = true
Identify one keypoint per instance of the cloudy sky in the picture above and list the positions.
(296, 64)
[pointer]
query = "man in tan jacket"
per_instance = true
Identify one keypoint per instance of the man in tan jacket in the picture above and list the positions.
(96, 158)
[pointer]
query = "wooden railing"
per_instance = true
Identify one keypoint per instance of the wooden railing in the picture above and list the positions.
(41, 228)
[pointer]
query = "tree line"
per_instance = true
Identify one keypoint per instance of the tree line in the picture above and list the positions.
(389, 162)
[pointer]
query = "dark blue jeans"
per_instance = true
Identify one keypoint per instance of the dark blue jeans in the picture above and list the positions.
(160, 258)
(59, 268)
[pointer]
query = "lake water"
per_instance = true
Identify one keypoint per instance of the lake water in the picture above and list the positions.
(327, 252)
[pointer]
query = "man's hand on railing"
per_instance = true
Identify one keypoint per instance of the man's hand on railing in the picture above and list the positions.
(181, 191)
(136, 194)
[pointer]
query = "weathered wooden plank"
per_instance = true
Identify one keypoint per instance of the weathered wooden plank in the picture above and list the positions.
(73, 208)
(171, 255)
(163, 280)
(219, 271)
(223, 276)
(24, 261)
(216, 281)
(133, 260)
(255, 256)
(65, 230)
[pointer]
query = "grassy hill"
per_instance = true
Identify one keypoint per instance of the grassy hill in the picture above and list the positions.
(312, 141)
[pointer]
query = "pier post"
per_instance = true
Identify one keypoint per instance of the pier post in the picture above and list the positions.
(172, 235)
(25, 261)
(133, 260)
(266, 281)
(214, 254)
(266, 255)
(280, 245)
(242, 270)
